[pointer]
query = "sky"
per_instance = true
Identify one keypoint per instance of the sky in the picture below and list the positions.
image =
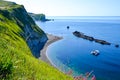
(72, 7)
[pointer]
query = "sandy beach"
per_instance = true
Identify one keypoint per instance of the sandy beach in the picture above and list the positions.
(51, 39)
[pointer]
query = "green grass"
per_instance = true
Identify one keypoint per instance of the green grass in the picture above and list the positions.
(7, 4)
(16, 60)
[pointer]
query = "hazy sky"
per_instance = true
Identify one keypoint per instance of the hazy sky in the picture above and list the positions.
(72, 7)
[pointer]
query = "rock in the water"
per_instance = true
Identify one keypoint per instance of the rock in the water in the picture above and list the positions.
(117, 45)
(81, 35)
(68, 27)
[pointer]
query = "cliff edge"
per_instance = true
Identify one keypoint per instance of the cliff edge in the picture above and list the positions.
(20, 37)
(31, 33)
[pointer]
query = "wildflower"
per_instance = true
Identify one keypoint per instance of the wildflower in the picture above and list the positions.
(93, 77)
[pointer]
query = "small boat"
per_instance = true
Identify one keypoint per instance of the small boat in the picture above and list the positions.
(95, 52)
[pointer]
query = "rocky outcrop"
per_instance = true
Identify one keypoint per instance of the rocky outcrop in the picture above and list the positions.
(39, 17)
(33, 35)
(82, 35)
(34, 40)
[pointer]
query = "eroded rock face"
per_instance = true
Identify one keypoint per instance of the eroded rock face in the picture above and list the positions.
(34, 36)
(30, 32)
(35, 41)
(82, 35)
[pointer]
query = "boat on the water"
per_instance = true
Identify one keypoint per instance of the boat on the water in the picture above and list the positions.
(95, 52)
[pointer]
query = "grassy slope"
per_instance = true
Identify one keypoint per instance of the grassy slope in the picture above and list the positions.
(16, 60)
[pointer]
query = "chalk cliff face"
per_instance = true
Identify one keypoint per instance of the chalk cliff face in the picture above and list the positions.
(31, 33)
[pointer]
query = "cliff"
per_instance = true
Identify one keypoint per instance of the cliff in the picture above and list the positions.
(20, 37)
(39, 17)
(33, 35)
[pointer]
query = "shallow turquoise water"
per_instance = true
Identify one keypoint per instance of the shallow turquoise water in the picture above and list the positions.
(74, 52)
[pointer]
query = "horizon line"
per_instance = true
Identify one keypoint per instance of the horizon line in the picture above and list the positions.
(84, 16)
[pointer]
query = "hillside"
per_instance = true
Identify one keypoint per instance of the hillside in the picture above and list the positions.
(20, 42)
(39, 17)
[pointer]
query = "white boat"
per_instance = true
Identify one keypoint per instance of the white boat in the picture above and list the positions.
(95, 52)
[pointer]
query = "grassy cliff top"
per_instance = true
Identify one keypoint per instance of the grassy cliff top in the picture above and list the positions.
(7, 5)
(16, 60)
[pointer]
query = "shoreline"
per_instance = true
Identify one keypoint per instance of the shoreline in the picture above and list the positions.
(43, 54)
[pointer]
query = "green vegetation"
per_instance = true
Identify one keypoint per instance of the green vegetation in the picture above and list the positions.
(39, 17)
(7, 5)
(16, 60)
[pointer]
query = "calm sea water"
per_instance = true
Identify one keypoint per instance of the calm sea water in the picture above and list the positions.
(74, 53)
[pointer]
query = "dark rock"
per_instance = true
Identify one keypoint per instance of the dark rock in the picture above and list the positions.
(81, 35)
(68, 27)
(117, 45)
(102, 42)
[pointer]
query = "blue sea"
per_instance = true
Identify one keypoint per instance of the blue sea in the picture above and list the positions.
(73, 53)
